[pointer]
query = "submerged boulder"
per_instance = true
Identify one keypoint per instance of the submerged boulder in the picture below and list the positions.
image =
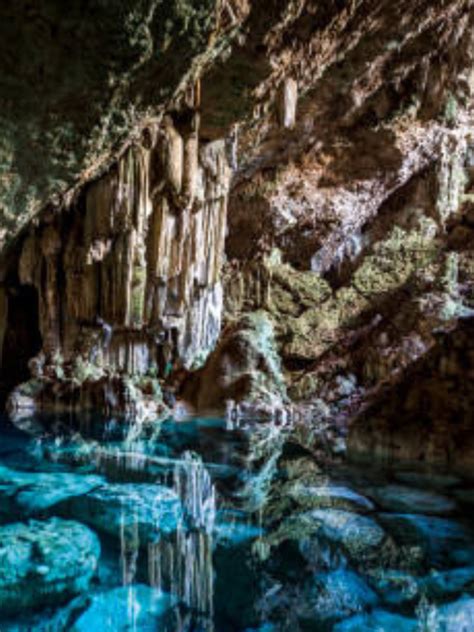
(330, 496)
(358, 537)
(457, 616)
(28, 493)
(377, 621)
(45, 563)
(121, 609)
(442, 540)
(141, 513)
(400, 498)
(336, 595)
(361, 536)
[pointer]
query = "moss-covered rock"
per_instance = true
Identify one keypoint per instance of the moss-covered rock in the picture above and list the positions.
(245, 367)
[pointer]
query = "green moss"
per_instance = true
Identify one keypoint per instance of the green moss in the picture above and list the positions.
(451, 109)
(85, 371)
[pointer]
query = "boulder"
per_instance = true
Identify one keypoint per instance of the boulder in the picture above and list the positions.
(439, 585)
(336, 595)
(136, 607)
(360, 536)
(330, 496)
(400, 498)
(45, 563)
(445, 542)
(140, 512)
(29, 493)
(377, 621)
(457, 616)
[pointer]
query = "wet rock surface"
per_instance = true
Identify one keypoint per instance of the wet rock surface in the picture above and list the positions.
(398, 498)
(45, 563)
(28, 493)
(112, 610)
(140, 513)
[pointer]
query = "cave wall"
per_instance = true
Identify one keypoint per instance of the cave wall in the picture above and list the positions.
(427, 416)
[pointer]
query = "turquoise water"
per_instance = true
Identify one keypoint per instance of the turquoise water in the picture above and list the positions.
(195, 525)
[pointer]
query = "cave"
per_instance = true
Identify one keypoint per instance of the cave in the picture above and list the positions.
(22, 338)
(237, 316)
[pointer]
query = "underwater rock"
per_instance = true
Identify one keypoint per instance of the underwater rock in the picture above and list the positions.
(443, 541)
(395, 587)
(23, 494)
(309, 491)
(139, 513)
(137, 607)
(377, 621)
(441, 584)
(45, 563)
(431, 480)
(398, 587)
(330, 496)
(457, 616)
(336, 595)
(361, 536)
(399, 498)
(351, 534)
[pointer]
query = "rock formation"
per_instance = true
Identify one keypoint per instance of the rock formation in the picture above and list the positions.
(126, 279)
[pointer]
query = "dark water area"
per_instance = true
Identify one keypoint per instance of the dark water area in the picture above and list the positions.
(197, 525)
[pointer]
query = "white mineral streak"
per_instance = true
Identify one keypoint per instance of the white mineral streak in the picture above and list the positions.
(182, 563)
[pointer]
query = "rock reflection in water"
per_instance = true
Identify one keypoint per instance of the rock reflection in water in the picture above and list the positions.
(183, 563)
(210, 528)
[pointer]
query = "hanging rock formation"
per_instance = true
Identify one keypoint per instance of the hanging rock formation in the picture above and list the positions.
(127, 278)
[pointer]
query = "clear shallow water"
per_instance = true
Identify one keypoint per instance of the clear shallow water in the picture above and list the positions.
(197, 526)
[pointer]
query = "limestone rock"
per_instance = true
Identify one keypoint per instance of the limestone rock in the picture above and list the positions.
(45, 563)
(444, 541)
(245, 368)
(336, 595)
(118, 609)
(377, 621)
(398, 498)
(141, 514)
(23, 494)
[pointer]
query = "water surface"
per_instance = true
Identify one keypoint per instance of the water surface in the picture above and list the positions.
(199, 526)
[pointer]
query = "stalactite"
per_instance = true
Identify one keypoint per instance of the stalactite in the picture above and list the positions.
(452, 178)
(287, 103)
(138, 253)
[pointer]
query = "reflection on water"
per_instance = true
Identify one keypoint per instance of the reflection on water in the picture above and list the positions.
(211, 526)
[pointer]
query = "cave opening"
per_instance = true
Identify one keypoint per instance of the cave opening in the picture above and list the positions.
(22, 339)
